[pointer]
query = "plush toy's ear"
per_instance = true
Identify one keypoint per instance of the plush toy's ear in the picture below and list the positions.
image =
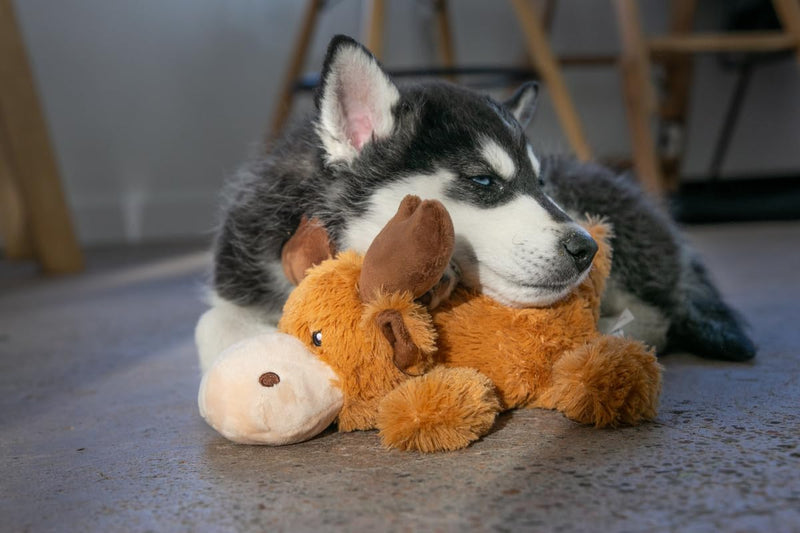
(407, 355)
(522, 103)
(355, 100)
(309, 246)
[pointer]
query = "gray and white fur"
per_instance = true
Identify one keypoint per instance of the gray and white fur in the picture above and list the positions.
(372, 142)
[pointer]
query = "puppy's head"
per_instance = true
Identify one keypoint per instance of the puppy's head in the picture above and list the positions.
(464, 149)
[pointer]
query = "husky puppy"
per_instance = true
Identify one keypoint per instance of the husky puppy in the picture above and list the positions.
(372, 142)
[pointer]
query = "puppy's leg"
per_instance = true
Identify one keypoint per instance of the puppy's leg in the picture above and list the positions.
(226, 324)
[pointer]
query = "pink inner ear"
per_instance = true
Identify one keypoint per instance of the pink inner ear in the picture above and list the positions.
(359, 128)
(358, 97)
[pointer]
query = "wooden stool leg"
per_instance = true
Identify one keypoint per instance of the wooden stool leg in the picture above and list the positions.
(445, 35)
(13, 221)
(284, 104)
(639, 96)
(675, 102)
(373, 29)
(550, 72)
(789, 14)
(31, 155)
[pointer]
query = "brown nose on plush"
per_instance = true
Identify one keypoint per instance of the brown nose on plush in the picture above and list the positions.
(269, 379)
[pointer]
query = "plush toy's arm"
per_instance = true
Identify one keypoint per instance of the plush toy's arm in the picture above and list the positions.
(445, 409)
(593, 286)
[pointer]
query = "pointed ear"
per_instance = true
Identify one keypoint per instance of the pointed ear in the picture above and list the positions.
(522, 103)
(309, 246)
(355, 100)
(407, 355)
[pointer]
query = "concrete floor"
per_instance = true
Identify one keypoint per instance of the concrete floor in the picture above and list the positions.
(99, 429)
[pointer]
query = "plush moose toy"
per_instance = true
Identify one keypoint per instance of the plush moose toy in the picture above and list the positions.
(354, 333)
(354, 346)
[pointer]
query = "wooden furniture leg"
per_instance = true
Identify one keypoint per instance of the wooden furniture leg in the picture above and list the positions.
(675, 101)
(373, 28)
(550, 72)
(31, 156)
(283, 105)
(14, 228)
(789, 14)
(639, 96)
(446, 49)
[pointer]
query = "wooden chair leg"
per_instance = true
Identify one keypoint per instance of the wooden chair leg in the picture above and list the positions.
(283, 106)
(13, 220)
(373, 28)
(639, 96)
(550, 72)
(645, 159)
(789, 14)
(675, 102)
(446, 49)
(31, 155)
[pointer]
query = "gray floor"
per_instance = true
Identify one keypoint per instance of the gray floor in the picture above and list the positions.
(100, 432)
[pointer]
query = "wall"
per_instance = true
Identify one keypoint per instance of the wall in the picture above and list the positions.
(152, 103)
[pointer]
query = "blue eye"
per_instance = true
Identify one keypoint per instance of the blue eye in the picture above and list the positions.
(483, 181)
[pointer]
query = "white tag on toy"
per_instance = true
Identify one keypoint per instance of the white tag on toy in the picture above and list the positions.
(625, 318)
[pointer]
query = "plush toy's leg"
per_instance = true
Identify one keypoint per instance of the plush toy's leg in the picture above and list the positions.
(609, 381)
(445, 409)
(224, 325)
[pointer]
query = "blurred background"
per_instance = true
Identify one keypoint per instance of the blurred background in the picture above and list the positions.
(149, 105)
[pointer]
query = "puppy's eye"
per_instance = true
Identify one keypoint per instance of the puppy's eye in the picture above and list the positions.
(316, 338)
(483, 181)
(541, 181)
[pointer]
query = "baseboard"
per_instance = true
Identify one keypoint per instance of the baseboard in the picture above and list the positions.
(737, 200)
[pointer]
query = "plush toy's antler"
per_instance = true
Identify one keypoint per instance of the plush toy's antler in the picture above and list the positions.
(411, 252)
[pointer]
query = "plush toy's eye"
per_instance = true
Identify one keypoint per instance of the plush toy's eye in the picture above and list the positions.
(541, 181)
(316, 338)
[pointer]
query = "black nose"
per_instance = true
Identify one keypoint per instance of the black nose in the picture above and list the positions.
(581, 247)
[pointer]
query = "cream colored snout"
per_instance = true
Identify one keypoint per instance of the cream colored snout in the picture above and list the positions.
(269, 389)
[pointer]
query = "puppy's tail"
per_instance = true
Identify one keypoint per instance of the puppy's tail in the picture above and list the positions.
(705, 325)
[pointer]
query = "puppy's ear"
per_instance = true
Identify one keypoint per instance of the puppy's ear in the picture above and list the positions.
(355, 100)
(522, 103)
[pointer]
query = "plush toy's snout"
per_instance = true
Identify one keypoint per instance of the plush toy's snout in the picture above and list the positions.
(269, 389)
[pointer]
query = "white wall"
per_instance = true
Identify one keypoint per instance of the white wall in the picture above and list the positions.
(151, 103)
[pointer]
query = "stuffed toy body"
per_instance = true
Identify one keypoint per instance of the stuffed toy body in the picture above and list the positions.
(554, 357)
(357, 346)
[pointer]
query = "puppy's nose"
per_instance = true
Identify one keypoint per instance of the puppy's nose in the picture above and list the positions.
(581, 247)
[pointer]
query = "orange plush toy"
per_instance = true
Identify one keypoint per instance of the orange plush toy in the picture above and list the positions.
(355, 347)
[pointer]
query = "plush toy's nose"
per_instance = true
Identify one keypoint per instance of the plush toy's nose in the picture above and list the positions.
(269, 379)
(269, 389)
(581, 247)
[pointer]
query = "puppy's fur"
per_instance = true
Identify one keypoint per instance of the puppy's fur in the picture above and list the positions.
(372, 142)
